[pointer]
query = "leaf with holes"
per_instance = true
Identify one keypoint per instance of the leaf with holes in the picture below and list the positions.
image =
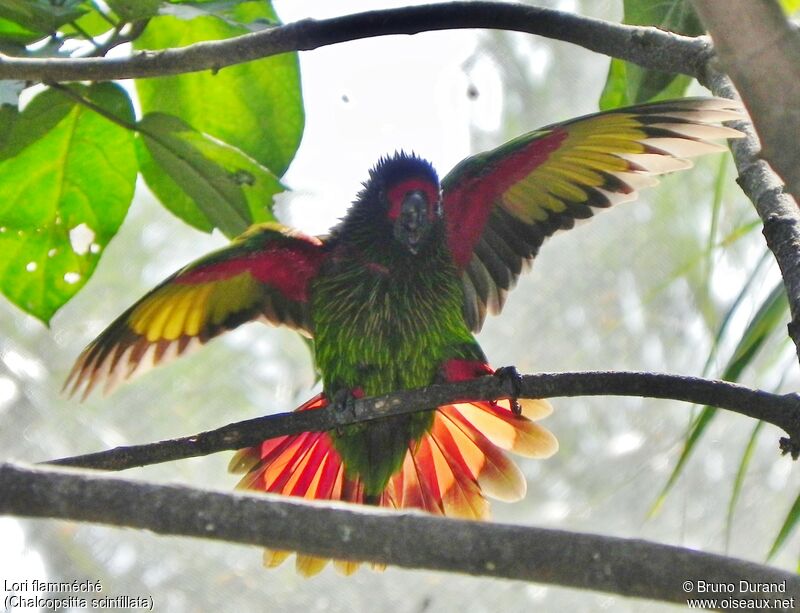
(63, 195)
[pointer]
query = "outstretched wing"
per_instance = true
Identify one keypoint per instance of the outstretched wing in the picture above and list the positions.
(502, 204)
(264, 273)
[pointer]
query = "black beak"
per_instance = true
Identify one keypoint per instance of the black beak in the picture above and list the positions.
(413, 223)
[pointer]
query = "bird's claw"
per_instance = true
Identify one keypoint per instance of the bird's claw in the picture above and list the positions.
(512, 381)
(343, 405)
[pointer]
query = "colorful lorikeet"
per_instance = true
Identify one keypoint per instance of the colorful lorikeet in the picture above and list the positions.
(392, 297)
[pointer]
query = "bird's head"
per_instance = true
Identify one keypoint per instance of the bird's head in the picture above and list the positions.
(402, 195)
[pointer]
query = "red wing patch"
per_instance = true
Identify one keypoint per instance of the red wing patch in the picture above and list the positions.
(468, 205)
(287, 268)
(264, 274)
(501, 205)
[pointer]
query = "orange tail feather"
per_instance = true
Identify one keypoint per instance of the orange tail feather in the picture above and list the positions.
(448, 471)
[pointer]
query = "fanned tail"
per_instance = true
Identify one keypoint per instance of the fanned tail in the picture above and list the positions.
(448, 471)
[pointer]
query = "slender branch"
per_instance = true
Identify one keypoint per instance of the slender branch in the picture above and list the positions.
(410, 539)
(648, 47)
(780, 410)
(776, 208)
(102, 12)
(88, 37)
(115, 39)
(765, 72)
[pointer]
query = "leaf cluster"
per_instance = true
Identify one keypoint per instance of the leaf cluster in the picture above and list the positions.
(211, 146)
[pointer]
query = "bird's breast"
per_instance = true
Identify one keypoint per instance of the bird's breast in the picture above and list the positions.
(381, 329)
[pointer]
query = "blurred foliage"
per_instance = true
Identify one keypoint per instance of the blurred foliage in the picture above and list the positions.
(210, 145)
(767, 319)
(628, 83)
(790, 6)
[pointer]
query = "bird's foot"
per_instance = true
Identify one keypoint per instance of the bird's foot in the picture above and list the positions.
(343, 405)
(512, 381)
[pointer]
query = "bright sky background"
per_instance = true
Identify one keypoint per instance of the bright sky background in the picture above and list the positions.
(365, 99)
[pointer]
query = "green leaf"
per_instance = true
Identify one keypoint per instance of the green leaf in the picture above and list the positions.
(790, 6)
(255, 107)
(134, 10)
(615, 92)
(169, 192)
(94, 23)
(202, 180)
(697, 429)
(720, 184)
(251, 14)
(628, 83)
(41, 16)
(739, 232)
(41, 115)
(788, 526)
(62, 198)
(755, 276)
(173, 146)
(12, 32)
(768, 317)
(741, 473)
(258, 184)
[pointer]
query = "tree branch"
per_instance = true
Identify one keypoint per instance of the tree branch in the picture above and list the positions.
(776, 208)
(780, 410)
(646, 46)
(412, 540)
(765, 71)
(409, 539)
(768, 79)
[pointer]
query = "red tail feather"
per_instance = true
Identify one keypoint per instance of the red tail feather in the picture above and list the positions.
(446, 472)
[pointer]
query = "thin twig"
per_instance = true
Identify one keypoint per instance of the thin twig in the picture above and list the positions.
(86, 36)
(780, 410)
(117, 38)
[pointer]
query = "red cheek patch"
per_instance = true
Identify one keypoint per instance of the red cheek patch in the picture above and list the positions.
(398, 193)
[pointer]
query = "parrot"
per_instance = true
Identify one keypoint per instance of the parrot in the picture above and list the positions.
(392, 298)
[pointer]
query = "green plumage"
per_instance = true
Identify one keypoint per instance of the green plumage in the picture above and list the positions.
(385, 319)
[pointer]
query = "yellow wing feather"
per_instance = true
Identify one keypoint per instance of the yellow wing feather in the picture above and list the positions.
(252, 278)
(539, 183)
